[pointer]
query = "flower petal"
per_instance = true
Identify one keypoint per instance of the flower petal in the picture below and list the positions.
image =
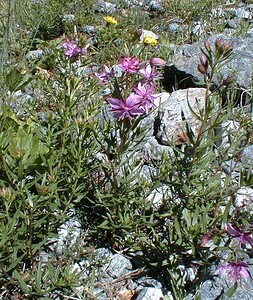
(232, 231)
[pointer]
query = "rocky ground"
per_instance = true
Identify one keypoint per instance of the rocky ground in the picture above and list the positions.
(120, 276)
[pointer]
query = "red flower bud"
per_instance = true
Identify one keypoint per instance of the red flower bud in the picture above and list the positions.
(202, 69)
(203, 59)
(157, 62)
(204, 239)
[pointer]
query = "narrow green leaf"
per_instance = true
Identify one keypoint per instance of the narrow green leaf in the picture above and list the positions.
(226, 212)
(21, 281)
(230, 292)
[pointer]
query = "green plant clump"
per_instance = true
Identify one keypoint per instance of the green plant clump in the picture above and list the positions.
(73, 122)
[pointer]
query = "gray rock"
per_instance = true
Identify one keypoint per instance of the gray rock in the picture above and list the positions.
(241, 13)
(247, 155)
(147, 173)
(182, 67)
(118, 266)
(233, 23)
(104, 7)
(216, 286)
(150, 293)
(68, 18)
(173, 27)
(42, 116)
(117, 42)
(198, 28)
(104, 253)
(148, 282)
(154, 5)
(172, 126)
(229, 130)
(244, 199)
(250, 32)
(100, 294)
(21, 102)
(89, 29)
(34, 54)
(211, 289)
(152, 150)
(157, 196)
(131, 3)
(69, 233)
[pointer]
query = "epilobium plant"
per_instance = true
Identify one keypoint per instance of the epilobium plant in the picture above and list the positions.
(76, 149)
(45, 160)
(132, 92)
(134, 87)
(193, 178)
(233, 249)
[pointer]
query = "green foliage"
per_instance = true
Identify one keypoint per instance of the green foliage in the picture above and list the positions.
(44, 171)
(65, 155)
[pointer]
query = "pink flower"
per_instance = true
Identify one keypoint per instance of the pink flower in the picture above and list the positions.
(235, 270)
(244, 237)
(145, 95)
(105, 76)
(71, 49)
(149, 73)
(129, 65)
(128, 108)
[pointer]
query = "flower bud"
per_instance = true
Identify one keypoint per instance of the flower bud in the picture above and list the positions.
(219, 44)
(204, 239)
(157, 62)
(228, 48)
(229, 80)
(203, 59)
(202, 69)
(207, 45)
(6, 193)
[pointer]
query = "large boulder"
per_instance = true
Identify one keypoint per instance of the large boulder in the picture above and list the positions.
(171, 125)
(181, 70)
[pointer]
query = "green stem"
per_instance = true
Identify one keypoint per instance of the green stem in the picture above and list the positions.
(201, 129)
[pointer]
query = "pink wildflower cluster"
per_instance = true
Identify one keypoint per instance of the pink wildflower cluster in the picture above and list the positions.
(140, 95)
(72, 50)
(129, 65)
(233, 270)
(243, 237)
(105, 76)
(237, 270)
(136, 104)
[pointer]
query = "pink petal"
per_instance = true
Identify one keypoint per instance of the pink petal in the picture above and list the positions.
(232, 231)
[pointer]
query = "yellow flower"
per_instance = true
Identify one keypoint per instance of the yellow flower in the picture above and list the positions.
(149, 40)
(110, 20)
